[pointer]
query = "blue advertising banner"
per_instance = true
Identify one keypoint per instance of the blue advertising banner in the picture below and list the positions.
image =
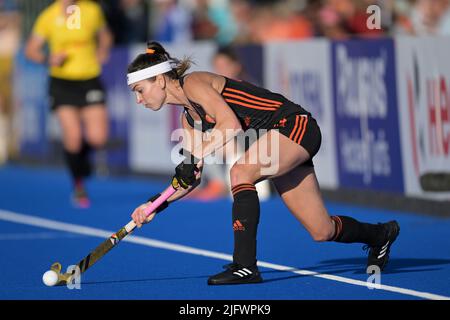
(366, 115)
(301, 71)
(32, 103)
(251, 57)
(118, 104)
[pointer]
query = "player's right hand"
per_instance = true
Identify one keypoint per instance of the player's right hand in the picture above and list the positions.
(57, 59)
(139, 217)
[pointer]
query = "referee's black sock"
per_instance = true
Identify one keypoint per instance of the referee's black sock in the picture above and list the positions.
(245, 223)
(85, 162)
(78, 162)
(349, 230)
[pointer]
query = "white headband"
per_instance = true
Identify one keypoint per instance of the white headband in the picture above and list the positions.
(148, 72)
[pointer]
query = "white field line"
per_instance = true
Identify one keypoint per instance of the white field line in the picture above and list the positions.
(78, 229)
(36, 236)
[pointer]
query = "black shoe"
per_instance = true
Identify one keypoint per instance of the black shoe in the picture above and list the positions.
(379, 255)
(236, 274)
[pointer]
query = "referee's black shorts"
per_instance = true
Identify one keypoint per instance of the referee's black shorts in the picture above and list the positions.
(77, 93)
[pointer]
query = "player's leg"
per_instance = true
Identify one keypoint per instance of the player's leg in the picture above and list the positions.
(95, 122)
(265, 158)
(94, 116)
(70, 123)
(300, 192)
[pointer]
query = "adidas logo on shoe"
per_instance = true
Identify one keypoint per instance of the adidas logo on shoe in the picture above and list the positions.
(236, 274)
(379, 255)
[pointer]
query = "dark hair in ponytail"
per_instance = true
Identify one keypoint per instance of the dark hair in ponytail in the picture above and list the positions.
(156, 54)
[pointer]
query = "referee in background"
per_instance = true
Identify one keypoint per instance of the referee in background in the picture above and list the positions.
(78, 42)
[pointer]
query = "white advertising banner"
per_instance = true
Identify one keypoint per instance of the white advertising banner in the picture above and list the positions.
(423, 82)
(302, 72)
(150, 132)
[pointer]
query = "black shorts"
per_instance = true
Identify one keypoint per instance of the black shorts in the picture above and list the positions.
(78, 93)
(303, 130)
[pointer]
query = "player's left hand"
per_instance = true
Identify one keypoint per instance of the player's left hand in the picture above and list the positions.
(57, 59)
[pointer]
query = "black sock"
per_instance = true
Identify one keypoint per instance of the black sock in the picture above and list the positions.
(245, 223)
(349, 230)
(78, 163)
(85, 165)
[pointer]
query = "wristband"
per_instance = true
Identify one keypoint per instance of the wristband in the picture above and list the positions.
(163, 205)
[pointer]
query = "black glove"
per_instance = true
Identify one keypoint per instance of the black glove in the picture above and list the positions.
(186, 171)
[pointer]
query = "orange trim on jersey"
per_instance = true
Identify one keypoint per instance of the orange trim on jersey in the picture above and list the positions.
(250, 105)
(253, 97)
(248, 100)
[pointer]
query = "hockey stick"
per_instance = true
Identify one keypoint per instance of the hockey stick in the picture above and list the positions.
(111, 242)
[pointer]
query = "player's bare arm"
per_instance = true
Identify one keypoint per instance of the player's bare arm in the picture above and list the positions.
(199, 87)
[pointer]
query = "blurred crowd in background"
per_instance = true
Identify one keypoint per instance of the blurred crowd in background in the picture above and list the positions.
(246, 21)
(226, 22)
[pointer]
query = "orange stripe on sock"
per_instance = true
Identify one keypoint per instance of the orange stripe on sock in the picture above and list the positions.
(338, 227)
(246, 188)
(242, 187)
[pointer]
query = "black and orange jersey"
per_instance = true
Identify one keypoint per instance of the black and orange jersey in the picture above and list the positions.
(255, 107)
(207, 122)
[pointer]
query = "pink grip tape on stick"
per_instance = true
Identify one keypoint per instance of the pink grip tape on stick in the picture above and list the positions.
(164, 196)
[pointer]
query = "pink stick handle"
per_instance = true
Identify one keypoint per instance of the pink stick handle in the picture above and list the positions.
(164, 196)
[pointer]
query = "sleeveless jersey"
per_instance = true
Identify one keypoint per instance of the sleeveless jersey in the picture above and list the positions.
(255, 107)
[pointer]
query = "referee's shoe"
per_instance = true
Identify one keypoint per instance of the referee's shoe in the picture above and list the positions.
(236, 274)
(379, 255)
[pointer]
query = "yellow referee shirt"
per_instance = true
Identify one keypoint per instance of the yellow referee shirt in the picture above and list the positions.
(72, 33)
